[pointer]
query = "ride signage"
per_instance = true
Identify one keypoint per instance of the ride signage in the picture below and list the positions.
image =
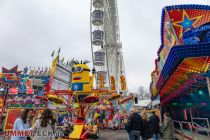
(112, 81)
(101, 81)
(122, 82)
(12, 115)
(1, 102)
(9, 78)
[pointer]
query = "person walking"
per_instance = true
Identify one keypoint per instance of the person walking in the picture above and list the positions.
(154, 122)
(2, 120)
(45, 127)
(168, 129)
(22, 123)
(147, 132)
(134, 126)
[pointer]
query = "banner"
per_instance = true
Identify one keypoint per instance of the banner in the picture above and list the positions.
(52, 71)
(122, 82)
(1, 102)
(12, 115)
(62, 117)
(112, 81)
(101, 81)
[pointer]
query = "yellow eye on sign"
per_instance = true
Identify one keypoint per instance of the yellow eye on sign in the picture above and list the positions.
(79, 69)
(73, 70)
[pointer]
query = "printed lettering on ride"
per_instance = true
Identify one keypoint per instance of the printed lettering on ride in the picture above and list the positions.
(19, 133)
(23, 133)
(46, 133)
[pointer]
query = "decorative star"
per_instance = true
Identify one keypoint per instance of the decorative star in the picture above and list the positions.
(186, 22)
(5, 82)
(12, 70)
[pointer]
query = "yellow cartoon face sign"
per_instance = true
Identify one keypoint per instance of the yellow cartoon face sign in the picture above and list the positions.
(81, 78)
(80, 73)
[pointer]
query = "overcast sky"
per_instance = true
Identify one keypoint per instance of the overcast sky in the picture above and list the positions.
(31, 29)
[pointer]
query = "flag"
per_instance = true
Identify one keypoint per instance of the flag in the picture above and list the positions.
(59, 50)
(40, 73)
(31, 72)
(71, 61)
(53, 53)
(36, 72)
(62, 60)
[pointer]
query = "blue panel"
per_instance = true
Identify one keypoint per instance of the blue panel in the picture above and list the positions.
(77, 87)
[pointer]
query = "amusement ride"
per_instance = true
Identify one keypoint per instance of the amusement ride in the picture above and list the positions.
(101, 88)
(181, 75)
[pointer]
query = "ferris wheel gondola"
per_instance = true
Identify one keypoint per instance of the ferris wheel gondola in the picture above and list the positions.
(106, 45)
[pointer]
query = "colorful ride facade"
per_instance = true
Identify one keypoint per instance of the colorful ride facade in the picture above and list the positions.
(19, 88)
(181, 75)
(67, 87)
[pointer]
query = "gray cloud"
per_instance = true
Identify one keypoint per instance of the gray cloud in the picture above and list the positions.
(31, 30)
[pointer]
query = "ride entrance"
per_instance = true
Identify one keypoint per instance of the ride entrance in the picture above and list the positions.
(181, 75)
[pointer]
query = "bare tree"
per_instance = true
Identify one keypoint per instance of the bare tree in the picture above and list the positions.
(140, 92)
(147, 94)
(143, 92)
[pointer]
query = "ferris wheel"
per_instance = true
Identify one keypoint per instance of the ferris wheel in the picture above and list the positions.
(106, 46)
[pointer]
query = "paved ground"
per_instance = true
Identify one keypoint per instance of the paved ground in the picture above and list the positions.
(113, 135)
(110, 135)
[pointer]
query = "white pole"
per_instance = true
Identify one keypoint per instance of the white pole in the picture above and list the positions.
(208, 85)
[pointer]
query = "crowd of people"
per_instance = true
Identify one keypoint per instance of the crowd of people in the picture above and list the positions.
(142, 126)
(113, 121)
(48, 122)
(138, 125)
(44, 127)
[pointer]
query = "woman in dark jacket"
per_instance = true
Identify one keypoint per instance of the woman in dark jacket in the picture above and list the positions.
(154, 122)
(134, 125)
(146, 130)
(168, 129)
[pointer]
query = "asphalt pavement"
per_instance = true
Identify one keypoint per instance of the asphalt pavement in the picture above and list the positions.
(110, 135)
(113, 135)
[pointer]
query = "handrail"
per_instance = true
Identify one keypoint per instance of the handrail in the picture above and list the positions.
(191, 125)
(183, 122)
(207, 120)
(207, 128)
(194, 127)
(182, 134)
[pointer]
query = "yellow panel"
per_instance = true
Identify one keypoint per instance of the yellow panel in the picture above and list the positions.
(195, 64)
(77, 131)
